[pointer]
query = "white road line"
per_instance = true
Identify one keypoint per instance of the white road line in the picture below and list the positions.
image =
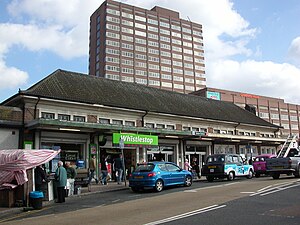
(247, 192)
(274, 188)
(280, 189)
(210, 187)
(260, 190)
(230, 184)
(117, 200)
(184, 215)
(134, 196)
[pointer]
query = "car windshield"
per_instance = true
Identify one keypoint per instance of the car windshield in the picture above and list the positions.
(215, 158)
(144, 168)
(259, 159)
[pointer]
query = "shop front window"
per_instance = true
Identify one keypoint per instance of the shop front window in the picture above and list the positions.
(46, 115)
(64, 117)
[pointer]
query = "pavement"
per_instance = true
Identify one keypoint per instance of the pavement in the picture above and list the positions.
(94, 188)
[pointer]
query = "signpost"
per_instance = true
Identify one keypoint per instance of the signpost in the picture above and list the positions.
(121, 145)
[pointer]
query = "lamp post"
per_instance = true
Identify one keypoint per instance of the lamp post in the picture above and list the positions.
(121, 145)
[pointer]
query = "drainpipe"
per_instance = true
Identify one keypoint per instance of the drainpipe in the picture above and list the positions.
(21, 134)
(35, 107)
(235, 128)
(143, 122)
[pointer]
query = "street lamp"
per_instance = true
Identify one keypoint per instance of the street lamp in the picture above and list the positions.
(121, 145)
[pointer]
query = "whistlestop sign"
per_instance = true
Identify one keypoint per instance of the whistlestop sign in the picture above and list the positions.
(135, 139)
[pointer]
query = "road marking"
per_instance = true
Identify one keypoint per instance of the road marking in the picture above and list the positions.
(280, 189)
(247, 192)
(275, 188)
(210, 187)
(134, 196)
(261, 190)
(117, 200)
(184, 215)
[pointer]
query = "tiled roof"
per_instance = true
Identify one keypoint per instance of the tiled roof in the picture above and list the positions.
(71, 86)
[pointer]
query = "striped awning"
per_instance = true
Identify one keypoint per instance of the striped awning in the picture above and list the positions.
(15, 162)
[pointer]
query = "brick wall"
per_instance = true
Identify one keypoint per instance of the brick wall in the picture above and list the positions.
(10, 113)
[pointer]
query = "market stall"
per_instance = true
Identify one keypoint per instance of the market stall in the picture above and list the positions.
(16, 176)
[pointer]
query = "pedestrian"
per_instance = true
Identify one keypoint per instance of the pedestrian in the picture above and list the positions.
(187, 165)
(196, 168)
(40, 178)
(71, 174)
(119, 168)
(104, 171)
(92, 169)
(61, 182)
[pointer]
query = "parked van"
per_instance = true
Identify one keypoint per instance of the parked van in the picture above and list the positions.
(220, 166)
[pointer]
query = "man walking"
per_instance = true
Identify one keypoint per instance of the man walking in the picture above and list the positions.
(92, 169)
(119, 168)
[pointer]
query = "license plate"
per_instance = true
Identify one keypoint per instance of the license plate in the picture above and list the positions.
(278, 167)
(138, 177)
(259, 168)
(212, 170)
(211, 167)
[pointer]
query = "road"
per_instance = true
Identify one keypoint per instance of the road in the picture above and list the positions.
(243, 201)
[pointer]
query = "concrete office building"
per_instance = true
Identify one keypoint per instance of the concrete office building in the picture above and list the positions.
(273, 110)
(152, 47)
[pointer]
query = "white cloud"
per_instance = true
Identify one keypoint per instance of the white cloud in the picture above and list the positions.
(262, 78)
(294, 51)
(10, 77)
(44, 25)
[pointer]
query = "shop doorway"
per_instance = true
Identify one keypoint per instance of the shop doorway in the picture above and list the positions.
(161, 153)
(196, 153)
(113, 153)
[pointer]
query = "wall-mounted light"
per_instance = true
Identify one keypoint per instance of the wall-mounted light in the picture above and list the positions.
(69, 129)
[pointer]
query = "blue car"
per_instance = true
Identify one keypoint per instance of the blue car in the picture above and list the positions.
(158, 175)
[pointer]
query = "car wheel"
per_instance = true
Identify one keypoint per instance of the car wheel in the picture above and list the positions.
(276, 176)
(159, 186)
(188, 181)
(230, 176)
(257, 175)
(210, 178)
(250, 175)
(134, 189)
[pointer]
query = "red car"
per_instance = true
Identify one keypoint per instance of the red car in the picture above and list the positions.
(259, 164)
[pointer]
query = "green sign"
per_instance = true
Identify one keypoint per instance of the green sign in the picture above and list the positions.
(135, 139)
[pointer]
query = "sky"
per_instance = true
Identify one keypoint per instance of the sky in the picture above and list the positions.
(251, 46)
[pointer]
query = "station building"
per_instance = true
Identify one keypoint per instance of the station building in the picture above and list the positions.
(84, 115)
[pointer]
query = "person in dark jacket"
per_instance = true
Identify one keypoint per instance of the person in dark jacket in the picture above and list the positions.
(61, 182)
(71, 174)
(196, 168)
(118, 164)
(104, 170)
(40, 178)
